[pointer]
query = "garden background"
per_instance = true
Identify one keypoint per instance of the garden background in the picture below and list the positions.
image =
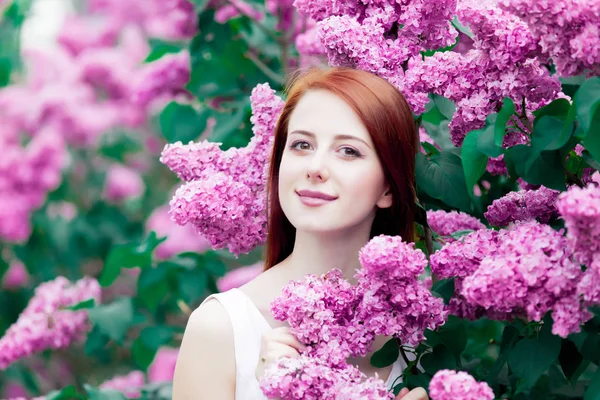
(97, 279)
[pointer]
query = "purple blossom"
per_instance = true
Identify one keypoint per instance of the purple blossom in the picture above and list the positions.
(130, 384)
(445, 223)
(337, 320)
(163, 77)
(462, 257)
(225, 194)
(580, 208)
(566, 31)
(529, 277)
(123, 183)
(458, 385)
(45, 324)
(179, 238)
(523, 205)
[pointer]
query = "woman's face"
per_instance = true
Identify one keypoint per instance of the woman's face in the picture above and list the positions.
(329, 150)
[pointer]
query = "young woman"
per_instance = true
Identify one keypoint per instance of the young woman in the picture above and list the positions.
(342, 171)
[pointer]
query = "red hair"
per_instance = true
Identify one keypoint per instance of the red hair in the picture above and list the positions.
(388, 119)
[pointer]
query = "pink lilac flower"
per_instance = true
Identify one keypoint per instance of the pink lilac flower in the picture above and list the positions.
(425, 138)
(45, 324)
(445, 223)
(79, 33)
(240, 276)
(180, 239)
(123, 183)
(589, 286)
(163, 77)
(27, 174)
(225, 194)
(16, 276)
(458, 385)
(162, 19)
(567, 32)
(522, 206)
(530, 277)
(462, 257)
(234, 9)
(307, 378)
(580, 209)
(162, 368)
(129, 384)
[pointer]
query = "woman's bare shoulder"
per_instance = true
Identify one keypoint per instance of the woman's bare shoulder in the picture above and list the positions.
(206, 363)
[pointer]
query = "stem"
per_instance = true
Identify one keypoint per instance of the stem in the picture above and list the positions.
(264, 68)
(184, 307)
(258, 23)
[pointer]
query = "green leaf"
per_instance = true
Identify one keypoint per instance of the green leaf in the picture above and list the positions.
(548, 134)
(155, 336)
(159, 48)
(113, 319)
(591, 347)
(128, 256)
(89, 303)
(593, 391)
(454, 335)
(446, 107)
(569, 358)
(546, 168)
(592, 145)
(142, 355)
(415, 381)
(508, 109)
(182, 123)
(474, 162)
(67, 393)
(440, 358)
(153, 286)
(444, 288)
(557, 108)
(530, 358)
(103, 394)
(587, 101)
(442, 178)
(5, 71)
(387, 355)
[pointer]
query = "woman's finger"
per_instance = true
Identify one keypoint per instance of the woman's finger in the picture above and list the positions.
(402, 393)
(416, 394)
(288, 339)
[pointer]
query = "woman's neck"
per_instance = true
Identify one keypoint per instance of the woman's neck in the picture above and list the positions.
(320, 253)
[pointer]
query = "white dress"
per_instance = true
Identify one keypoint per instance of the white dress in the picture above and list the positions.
(248, 326)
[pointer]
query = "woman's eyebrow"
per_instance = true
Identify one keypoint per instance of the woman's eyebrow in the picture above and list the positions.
(337, 137)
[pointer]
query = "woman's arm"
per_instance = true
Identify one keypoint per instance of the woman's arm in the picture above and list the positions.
(205, 368)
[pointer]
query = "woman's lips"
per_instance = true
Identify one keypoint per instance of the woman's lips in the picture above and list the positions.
(313, 201)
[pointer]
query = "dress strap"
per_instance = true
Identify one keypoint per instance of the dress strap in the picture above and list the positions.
(247, 329)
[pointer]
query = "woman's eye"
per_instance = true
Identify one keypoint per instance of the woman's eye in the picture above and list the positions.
(350, 152)
(300, 145)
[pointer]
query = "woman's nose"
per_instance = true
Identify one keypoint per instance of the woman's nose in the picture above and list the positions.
(317, 168)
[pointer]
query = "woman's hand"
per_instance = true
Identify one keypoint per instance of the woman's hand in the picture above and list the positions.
(415, 394)
(275, 344)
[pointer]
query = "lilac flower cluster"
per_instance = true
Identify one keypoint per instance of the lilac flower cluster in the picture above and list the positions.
(45, 324)
(530, 277)
(337, 320)
(224, 196)
(380, 37)
(523, 205)
(567, 32)
(580, 208)
(458, 385)
(129, 384)
(394, 302)
(478, 80)
(162, 19)
(445, 223)
(27, 173)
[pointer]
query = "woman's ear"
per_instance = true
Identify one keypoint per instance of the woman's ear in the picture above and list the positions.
(385, 201)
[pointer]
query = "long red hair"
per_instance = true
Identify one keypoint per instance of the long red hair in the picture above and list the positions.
(388, 119)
